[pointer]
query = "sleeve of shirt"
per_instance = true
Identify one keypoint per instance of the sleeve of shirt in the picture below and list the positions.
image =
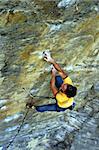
(68, 80)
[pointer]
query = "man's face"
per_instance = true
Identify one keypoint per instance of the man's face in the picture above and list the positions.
(63, 87)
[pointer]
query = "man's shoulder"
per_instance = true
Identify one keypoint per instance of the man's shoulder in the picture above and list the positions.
(60, 95)
(68, 80)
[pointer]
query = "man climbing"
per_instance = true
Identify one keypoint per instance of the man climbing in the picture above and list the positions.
(61, 86)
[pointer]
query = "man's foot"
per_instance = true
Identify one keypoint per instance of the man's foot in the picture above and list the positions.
(73, 105)
(30, 104)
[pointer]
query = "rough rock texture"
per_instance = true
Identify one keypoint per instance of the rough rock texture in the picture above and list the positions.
(70, 29)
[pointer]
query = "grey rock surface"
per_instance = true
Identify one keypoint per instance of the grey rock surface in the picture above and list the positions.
(71, 32)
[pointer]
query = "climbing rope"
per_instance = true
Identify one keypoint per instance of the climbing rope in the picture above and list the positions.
(43, 97)
(48, 97)
(28, 108)
(18, 129)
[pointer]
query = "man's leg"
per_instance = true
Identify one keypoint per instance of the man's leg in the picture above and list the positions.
(49, 107)
(58, 81)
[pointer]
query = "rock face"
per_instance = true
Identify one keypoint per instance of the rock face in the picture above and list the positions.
(66, 3)
(70, 29)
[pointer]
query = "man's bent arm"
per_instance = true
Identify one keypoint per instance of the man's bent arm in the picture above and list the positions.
(52, 85)
(49, 59)
(59, 69)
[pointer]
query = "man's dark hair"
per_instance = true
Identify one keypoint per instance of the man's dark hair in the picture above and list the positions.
(71, 91)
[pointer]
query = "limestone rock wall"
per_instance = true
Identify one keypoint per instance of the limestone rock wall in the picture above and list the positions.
(70, 29)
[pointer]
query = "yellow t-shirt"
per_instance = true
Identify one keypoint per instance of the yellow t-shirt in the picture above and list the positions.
(62, 100)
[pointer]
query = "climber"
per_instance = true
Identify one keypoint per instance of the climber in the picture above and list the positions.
(61, 86)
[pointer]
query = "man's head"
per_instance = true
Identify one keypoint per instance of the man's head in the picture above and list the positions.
(69, 90)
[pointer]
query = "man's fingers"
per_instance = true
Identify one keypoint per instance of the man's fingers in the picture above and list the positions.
(45, 58)
(52, 66)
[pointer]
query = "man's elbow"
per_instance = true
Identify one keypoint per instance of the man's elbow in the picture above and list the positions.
(63, 75)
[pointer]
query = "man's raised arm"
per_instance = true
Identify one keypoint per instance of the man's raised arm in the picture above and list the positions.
(49, 59)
